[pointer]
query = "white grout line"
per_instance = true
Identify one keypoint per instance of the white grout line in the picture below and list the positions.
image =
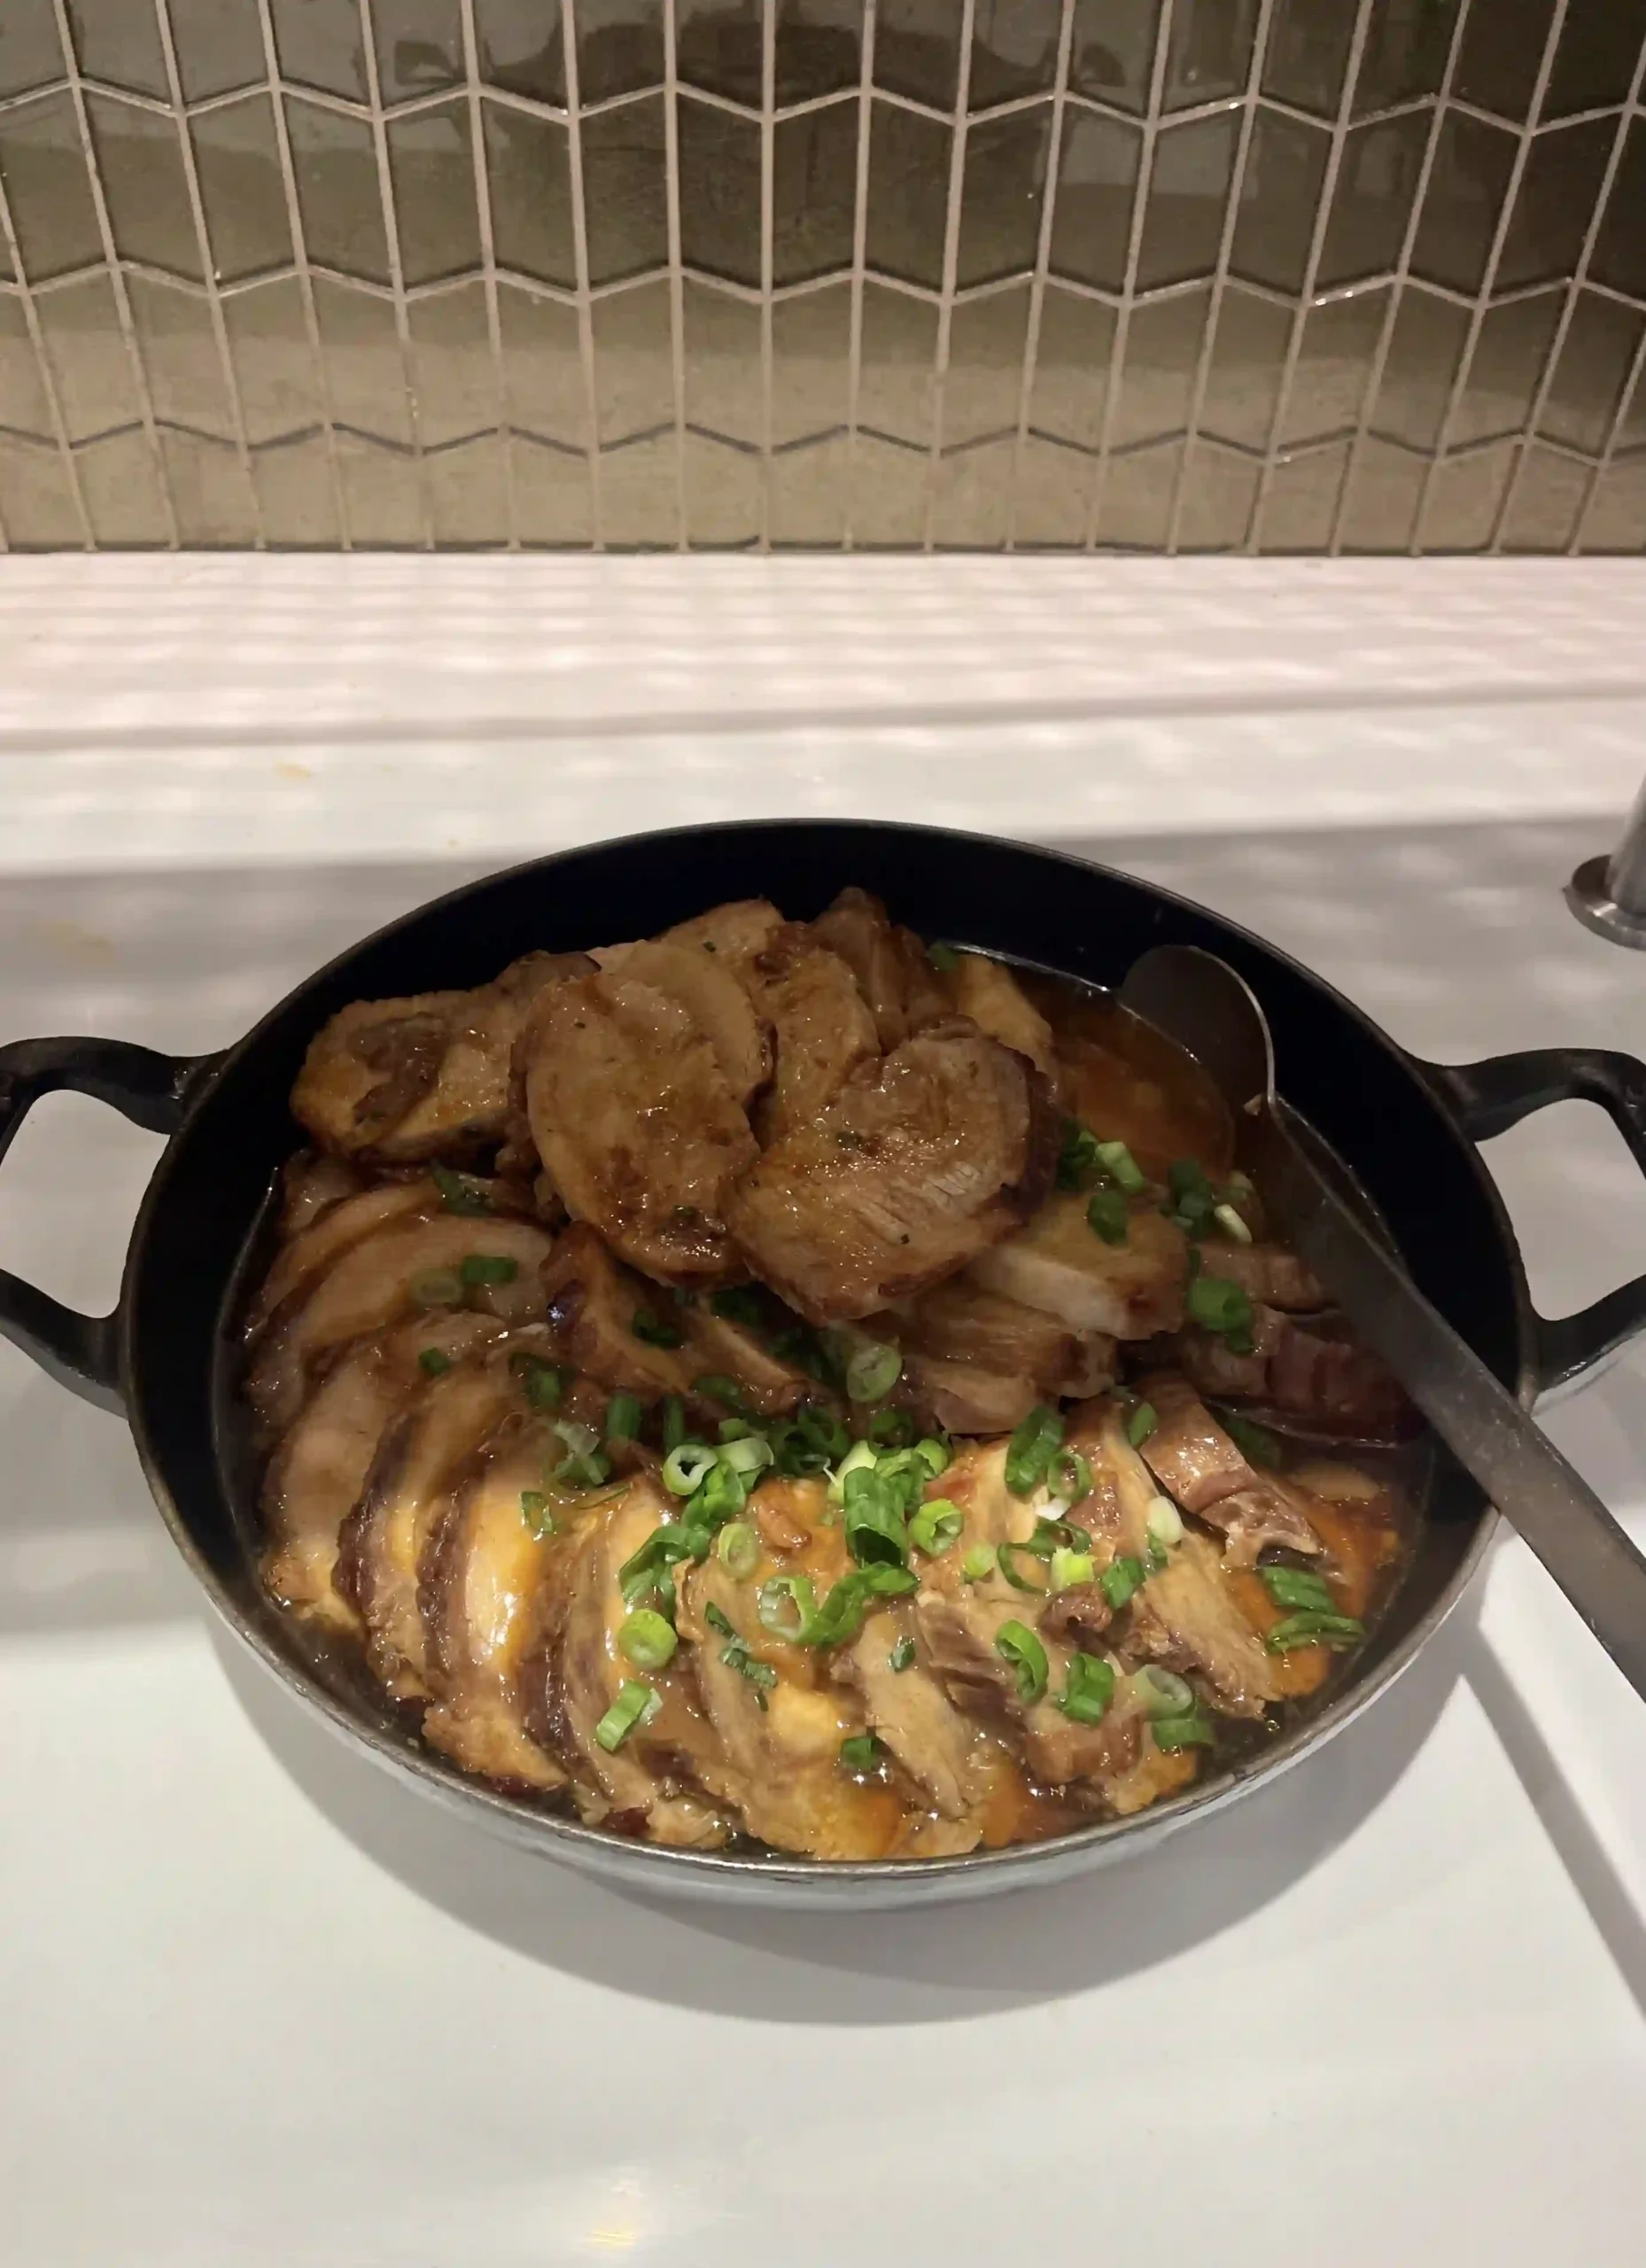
(579, 252)
(1043, 263)
(488, 267)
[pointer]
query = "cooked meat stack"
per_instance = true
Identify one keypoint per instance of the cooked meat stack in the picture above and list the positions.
(579, 1302)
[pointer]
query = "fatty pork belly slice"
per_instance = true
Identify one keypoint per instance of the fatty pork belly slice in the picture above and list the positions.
(900, 988)
(310, 1184)
(732, 933)
(1269, 1275)
(481, 1583)
(1324, 1381)
(1059, 1264)
(378, 1282)
(948, 1756)
(426, 1076)
(822, 1028)
(711, 995)
(963, 1321)
(633, 1117)
(323, 1241)
(317, 1471)
(1195, 1461)
(923, 1160)
(987, 992)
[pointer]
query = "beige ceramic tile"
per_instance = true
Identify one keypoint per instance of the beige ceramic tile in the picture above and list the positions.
(125, 500)
(639, 496)
(37, 500)
(211, 493)
(1300, 509)
(24, 408)
(1136, 513)
(971, 497)
(809, 493)
(724, 497)
(551, 487)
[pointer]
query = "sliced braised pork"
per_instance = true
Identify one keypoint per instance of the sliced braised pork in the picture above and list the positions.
(309, 1183)
(1270, 1275)
(1059, 1264)
(1328, 1382)
(947, 1756)
(1195, 1461)
(822, 1028)
(987, 992)
(900, 987)
(735, 932)
(708, 990)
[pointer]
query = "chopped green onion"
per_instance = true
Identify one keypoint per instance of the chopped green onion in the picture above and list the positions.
(438, 1288)
(674, 1422)
(807, 1442)
(1254, 1442)
(736, 1656)
(716, 1387)
(685, 1466)
(788, 1607)
(935, 1456)
(488, 1268)
(1070, 1568)
(1314, 1628)
(1216, 1304)
(978, 1562)
(433, 1363)
(1164, 1522)
(1240, 1341)
(840, 1615)
(1106, 1215)
(722, 1492)
(861, 1753)
(1121, 1579)
(739, 1550)
(872, 1372)
(892, 1429)
(1069, 1476)
(739, 1303)
(876, 1527)
(1193, 1731)
(1017, 1644)
(1049, 1535)
(544, 1384)
(859, 1458)
(1077, 1160)
(654, 1331)
(535, 1513)
(648, 1569)
(623, 1417)
(942, 958)
(1161, 1691)
(1192, 1196)
(1006, 1554)
(1088, 1689)
(1230, 1222)
(1031, 1449)
(458, 1192)
(1116, 1159)
(936, 1526)
(1298, 1586)
(647, 1639)
(584, 1466)
(751, 1455)
(635, 1705)
(902, 1655)
(1141, 1424)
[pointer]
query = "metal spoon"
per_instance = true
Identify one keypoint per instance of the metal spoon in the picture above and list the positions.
(1198, 1001)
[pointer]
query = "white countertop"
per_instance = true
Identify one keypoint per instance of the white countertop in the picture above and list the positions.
(261, 2006)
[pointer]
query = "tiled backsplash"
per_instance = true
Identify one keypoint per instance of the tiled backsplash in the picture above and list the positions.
(1159, 275)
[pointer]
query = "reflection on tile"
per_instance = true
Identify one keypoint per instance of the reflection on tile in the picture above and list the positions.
(364, 367)
(1300, 509)
(24, 408)
(1425, 353)
(1372, 201)
(431, 166)
(1097, 182)
(1112, 53)
(97, 387)
(274, 360)
(1243, 381)
(551, 496)
(211, 493)
(530, 171)
(1556, 200)
(908, 195)
(1210, 55)
(1462, 201)
(420, 47)
(1006, 184)
(295, 496)
(1600, 44)
(1054, 496)
(322, 47)
(543, 379)
(1508, 361)
(124, 500)
(809, 492)
(339, 201)
(454, 377)
(468, 494)
(44, 169)
(624, 190)
(1383, 494)
(639, 499)
(633, 364)
(1548, 497)
(1072, 368)
(1616, 518)
(1465, 498)
(971, 497)
(30, 53)
(238, 162)
(811, 364)
(814, 193)
(219, 46)
(619, 48)
(1157, 380)
(1014, 51)
(719, 46)
(1307, 53)
(724, 502)
(1503, 47)
(140, 160)
(119, 41)
(187, 385)
(1219, 492)
(819, 48)
(518, 45)
(36, 502)
(381, 495)
(888, 493)
(1596, 360)
(724, 390)
(719, 192)
(896, 382)
(1333, 368)
(985, 377)
(1405, 53)
(1183, 229)
(1619, 257)
(917, 49)
(1136, 513)
(1280, 195)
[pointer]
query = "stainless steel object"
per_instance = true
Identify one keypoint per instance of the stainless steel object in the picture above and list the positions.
(1199, 1001)
(1608, 895)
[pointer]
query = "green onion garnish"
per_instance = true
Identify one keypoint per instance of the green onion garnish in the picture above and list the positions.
(584, 1466)
(935, 1456)
(1141, 1424)
(860, 1753)
(1006, 1553)
(1162, 1692)
(1298, 1586)
(1077, 1160)
(1031, 1449)
(876, 1526)
(1230, 1222)
(1121, 1579)
(488, 1268)
(655, 1332)
(739, 1303)
(458, 1193)
(674, 1422)
(1254, 1442)
(1217, 1305)
(1068, 1477)
(1017, 1644)
(433, 1361)
(1070, 1568)
(859, 1458)
(871, 1370)
(535, 1513)
(685, 1466)
(623, 1417)
(438, 1288)
(1107, 1216)
(902, 1655)
(635, 1705)
(892, 1429)
(978, 1562)
(1193, 1197)
(942, 958)
(544, 1384)
(1315, 1628)
(714, 1385)
(647, 1638)
(1193, 1731)
(748, 1457)
(1088, 1689)
(739, 1550)
(936, 1526)
(1116, 1159)
(736, 1656)
(1163, 1522)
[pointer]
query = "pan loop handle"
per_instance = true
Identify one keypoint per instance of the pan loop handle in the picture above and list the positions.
(1488, 1099)
(153, 1090)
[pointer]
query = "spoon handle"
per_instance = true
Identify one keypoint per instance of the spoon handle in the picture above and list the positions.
(1492, 1437)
